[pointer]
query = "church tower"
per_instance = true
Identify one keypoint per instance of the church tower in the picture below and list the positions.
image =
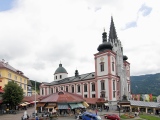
(110, 69)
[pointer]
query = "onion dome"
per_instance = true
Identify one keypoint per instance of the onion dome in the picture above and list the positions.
(105, 44)
(125, 57)
(60, 69)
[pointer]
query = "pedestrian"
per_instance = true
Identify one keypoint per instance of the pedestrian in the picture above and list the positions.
(96, 111)
(25, 115)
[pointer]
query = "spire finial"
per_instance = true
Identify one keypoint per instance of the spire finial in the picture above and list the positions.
(104, 36)
(112, 32)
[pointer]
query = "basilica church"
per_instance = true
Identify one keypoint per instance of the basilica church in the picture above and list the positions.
(111, 79)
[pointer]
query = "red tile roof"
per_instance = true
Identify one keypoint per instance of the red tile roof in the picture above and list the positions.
(31, 98)
(95, 100)
(62, 97)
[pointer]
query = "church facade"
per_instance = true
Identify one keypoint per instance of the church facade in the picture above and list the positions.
(111, 79)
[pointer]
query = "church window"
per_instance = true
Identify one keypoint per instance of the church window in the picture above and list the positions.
(85, 87)
(60, 76)
(66, 88)
(78, 88)
(113, 85)
(72, 88)
(56, 89)
(56, 77)
(61, 88)
(102, 95)
(42, 91)
(114, 94)
(93, 86)
(93, 95)
(102, 66)
(112, 66)
(51, 90)
(85, 96)
(102, 85)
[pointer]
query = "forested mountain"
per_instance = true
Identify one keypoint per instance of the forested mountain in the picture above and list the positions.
(146, 84)
(143, 84)
(33, 85)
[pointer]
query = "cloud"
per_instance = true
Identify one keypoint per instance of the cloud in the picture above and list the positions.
(36, 34)
(145, 10)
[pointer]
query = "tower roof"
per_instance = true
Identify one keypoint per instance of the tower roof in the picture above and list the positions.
(105, 44)
(60, 69)
(112, 32)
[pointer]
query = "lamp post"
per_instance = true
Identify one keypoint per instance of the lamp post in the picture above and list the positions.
(35, 99)
(119, 110)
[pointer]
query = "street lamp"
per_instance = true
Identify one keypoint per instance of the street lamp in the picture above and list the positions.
(35, 99)
(118, 108)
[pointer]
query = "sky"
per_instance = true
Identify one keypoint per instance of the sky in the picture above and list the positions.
(37, 35)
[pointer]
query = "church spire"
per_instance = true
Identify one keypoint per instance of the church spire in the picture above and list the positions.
(112, 32)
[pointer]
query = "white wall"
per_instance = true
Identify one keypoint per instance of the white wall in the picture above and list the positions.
(105, 60)
(64, 75)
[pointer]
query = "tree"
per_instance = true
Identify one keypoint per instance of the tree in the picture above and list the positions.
(13, 94)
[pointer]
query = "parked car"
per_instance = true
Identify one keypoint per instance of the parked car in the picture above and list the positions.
(112, 117)
(90, 116)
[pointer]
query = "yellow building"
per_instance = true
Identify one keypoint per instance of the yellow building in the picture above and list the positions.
(8, 73)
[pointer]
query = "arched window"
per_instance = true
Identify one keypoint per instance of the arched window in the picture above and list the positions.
(102, 94)
(114, 89)
(56, 89)
(72, 88)
(42, 91)
(112, 66)
(93, 86)
(60, 76)
(51, 90)
(66, 88)
(85, 87)
(102, 85)
(56, 77)
(114, 85)
(78, 88)
(102, 66)
(61, 88)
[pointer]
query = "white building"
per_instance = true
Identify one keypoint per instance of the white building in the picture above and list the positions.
(111, 79)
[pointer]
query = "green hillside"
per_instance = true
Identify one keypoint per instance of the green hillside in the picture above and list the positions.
(146, 84)
(33, 85)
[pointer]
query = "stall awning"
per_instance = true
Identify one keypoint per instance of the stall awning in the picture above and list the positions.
(51, 105)
(26, 103)
(23, 104)
(80, 105)
(106, 104)
(33, 102)
(85, 104)
(41, 104)
(73, 105)
(62, 106)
